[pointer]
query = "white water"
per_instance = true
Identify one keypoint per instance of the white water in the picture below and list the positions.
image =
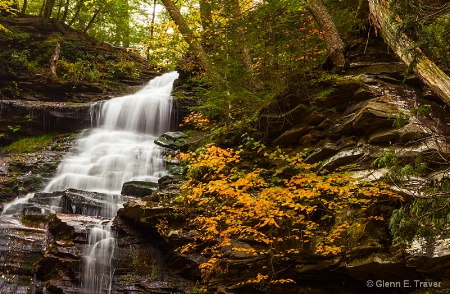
(98, 271)
(121, 149)
(14, 206)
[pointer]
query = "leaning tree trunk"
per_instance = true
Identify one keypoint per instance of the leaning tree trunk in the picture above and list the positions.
(333, 41)
(194, 45)
(424, 68)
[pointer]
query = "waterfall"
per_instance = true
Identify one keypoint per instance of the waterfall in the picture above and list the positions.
(119, 149)
(122, 147)
(98, 271)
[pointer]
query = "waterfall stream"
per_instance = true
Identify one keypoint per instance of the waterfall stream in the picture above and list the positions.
(120, 149)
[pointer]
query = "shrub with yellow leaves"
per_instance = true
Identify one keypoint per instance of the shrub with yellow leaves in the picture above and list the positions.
(282, 209)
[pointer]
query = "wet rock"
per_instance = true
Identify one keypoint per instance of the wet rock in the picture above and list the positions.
(376, 68)
(384, 136)
(139, 188)
(72, 201)
(28, 172)
(59, 268)
(141, 262)
(170, 181)
(173, 140)
(345, 157)
(143, 212)
(327, 149)
(370, 115)
(293, 135)
(20, 248)
(38, 118)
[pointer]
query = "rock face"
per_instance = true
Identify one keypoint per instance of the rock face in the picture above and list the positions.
(357, 118)
(25, 173)
(38, 118)
(139, 189)
(138, 260)
(20, 248)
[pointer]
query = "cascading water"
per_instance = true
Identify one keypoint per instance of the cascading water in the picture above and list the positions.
(122, 148)
(119, 150)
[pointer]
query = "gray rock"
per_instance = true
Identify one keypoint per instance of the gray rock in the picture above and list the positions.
(173, 140)
(139, 188)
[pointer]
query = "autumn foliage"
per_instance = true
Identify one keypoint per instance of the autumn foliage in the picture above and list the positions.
(279, 204)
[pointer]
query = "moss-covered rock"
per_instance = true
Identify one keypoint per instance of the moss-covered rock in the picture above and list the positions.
(139, 188)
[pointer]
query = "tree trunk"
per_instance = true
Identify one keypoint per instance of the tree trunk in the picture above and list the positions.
(41, 11)
(427, 71)
(54, 62)
(77, 11)
(59, 9)
(24, 7)
(152, 23)
(333, 41)
(362, 13)
(66, 10)
(91, 22)
(194, 45)
(48, 8)
(206, 21)
(234, 10)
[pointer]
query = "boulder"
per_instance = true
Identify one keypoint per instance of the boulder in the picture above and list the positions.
(139, 188)
(173, 140)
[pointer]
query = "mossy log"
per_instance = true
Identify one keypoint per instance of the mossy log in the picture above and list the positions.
(427, 71)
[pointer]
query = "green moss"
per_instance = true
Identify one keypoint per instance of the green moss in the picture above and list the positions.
(34, 220)
(30, 144)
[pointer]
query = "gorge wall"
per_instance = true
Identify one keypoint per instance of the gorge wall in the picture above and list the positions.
(357, 117)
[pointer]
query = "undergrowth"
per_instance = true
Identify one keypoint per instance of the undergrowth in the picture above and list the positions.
(274, 201)
(30, 144)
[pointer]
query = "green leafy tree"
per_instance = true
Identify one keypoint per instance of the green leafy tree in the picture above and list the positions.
(6, 6)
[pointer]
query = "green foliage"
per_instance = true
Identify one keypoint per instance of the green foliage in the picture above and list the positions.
(426, 214)
(343, 14)
(6, 6)
(30, 144)
(388, 159)
(421, 110)
(79, 71)
(14, 128)
(122, 69)
(154, 273)
(424, 218)
(400, 170)
(401, 120)
(35, 221)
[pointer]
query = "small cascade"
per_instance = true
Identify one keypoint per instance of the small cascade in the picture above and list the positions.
(17, 205)
(98, 272)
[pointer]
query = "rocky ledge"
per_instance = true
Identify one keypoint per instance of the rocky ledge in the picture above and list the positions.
(357, 118)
